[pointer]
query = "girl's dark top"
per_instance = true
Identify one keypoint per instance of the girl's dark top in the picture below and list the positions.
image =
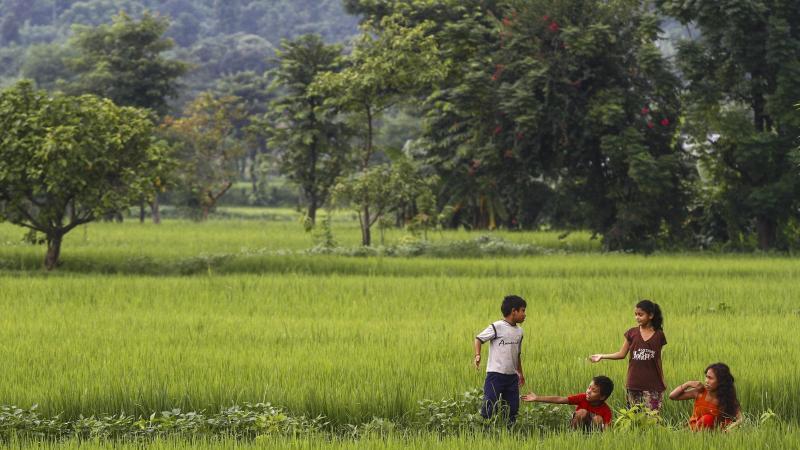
(644, 365)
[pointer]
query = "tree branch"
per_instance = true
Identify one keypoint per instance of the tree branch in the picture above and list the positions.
(33, 221)
(77, 222)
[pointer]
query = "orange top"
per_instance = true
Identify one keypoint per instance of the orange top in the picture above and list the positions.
(704, 407)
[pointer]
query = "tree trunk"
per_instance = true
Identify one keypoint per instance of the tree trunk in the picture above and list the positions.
(366, 239)
(53, 250)
(156, 208)
(142, 213)
(212, 199)
(313, 205)
(767, 232)
(253, 177)
(368, 156)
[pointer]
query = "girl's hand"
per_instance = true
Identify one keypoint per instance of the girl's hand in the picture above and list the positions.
(530, 397)
(477, 362)
(595, 358)
(521, 379)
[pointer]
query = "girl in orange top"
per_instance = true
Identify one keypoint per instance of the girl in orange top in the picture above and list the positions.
(715, 402)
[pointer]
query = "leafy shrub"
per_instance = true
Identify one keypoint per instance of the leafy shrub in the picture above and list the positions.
(247, 421)
(461, 414)
(376, 428)
(480, 246)
(637, 417)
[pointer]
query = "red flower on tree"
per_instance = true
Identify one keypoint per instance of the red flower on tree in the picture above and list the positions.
(645, 111)
(553, 26)
(650, 124)
(665, 122)
(498, 70)
(498, 129)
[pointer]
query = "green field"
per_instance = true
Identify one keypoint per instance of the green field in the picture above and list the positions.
(358, 338)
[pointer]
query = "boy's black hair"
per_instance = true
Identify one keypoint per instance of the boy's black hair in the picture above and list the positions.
(605, 385)
(512, 302)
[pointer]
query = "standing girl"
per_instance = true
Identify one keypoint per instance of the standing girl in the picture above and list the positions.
(645, 381)
(715, 402)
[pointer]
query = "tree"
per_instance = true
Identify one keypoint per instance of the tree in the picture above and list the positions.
(391, 62)
(46, 64)
(553, 101)
(207, 149)
(383, 188)
(124, 62)
(256, 94)
(311, 140)
(743, 77)
(64, 161)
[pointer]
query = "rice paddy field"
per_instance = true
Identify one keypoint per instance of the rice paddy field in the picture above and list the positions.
(354, 339)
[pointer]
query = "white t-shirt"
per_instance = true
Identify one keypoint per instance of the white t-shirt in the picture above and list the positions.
(505, 346)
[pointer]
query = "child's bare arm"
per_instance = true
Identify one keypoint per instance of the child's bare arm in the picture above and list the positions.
(531, 397)
(686, 391)
(618, 355)
(477, 345)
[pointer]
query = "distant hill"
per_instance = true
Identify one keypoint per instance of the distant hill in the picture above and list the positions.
(220, 37)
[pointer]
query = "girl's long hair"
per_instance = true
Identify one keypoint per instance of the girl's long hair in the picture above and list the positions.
(726, 390)
(652, 308)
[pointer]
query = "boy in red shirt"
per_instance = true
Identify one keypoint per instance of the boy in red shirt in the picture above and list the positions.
(591, 410)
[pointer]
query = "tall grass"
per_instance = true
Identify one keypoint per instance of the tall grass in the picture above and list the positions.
(355, 347)
(118, 328)
(176, 239)
(777, 438)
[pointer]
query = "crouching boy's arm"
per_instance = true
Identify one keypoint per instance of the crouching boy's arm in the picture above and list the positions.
(531, 397)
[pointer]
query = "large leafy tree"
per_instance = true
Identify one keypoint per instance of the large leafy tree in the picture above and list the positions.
(125, 62)
(309, 137)
(569, 96)
(208, 147)
(64, 161)
(743, 78)
(393, 61)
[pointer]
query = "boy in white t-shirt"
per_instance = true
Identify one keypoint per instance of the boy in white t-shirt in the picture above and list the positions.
(504, 369)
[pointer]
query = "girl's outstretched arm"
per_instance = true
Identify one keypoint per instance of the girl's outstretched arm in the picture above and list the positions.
(686, 391)
(619, 355)
(531, 397)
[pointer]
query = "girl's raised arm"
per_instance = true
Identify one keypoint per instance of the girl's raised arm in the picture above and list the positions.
(619, 355)
(686, 391)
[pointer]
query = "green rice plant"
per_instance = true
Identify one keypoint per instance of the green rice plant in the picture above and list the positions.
(198, 317)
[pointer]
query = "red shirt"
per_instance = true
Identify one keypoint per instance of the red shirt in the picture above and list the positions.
(580, 402)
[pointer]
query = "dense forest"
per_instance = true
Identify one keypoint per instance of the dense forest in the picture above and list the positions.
(217, 37)
(654, 125)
